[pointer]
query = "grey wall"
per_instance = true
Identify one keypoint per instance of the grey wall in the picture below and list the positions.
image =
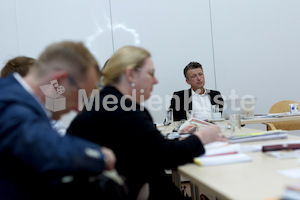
(250, 47)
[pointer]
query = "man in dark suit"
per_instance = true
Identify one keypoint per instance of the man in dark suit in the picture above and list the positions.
(197, 98)
(33, 157)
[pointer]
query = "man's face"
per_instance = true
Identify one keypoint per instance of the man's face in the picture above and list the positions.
(196, 79)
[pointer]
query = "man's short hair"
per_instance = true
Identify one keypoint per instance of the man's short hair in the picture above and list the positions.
(73, 57)
(191, 65)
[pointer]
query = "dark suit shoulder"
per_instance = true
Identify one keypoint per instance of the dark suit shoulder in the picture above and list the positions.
(213, 91)
(180, 92)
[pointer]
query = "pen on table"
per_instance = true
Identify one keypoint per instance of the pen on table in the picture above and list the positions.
(221, 154)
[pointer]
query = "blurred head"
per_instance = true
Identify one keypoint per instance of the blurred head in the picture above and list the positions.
(72, 65)
(20, 64)
(133, 68)
(194, 75)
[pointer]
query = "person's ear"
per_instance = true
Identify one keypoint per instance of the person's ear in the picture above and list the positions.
(60, 76)
(187, 81)
(130, 75)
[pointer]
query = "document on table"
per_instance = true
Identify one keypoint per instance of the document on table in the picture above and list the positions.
(284, 154)
(292, 173)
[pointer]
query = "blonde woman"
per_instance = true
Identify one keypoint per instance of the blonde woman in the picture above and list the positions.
(124, 125)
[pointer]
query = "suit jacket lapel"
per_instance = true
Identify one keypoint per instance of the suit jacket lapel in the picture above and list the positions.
(210, 97)
(190, 104)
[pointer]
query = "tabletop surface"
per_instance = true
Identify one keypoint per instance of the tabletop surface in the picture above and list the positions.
(258, 179)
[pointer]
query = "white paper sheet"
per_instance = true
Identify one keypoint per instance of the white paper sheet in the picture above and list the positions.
(291, 173)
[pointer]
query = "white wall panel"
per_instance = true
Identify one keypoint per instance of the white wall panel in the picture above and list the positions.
(174, 31)
(8, 33)
(44, 22)
(256, 42)
(257, 47)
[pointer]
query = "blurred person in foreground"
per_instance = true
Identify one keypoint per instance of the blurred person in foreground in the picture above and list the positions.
(33, 157)
(22, 65)
(127, 128)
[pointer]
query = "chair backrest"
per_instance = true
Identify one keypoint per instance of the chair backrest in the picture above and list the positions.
(280, 107)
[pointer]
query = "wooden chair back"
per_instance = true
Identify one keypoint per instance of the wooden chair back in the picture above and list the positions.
(281, 107)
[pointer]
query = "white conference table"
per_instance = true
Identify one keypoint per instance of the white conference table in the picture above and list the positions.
(258, 179)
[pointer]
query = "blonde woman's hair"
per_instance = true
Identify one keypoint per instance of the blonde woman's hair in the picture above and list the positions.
(127, 57)
(73, 57)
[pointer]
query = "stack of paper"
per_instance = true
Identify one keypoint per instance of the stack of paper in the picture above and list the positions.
(226, 154)
(259, 136)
